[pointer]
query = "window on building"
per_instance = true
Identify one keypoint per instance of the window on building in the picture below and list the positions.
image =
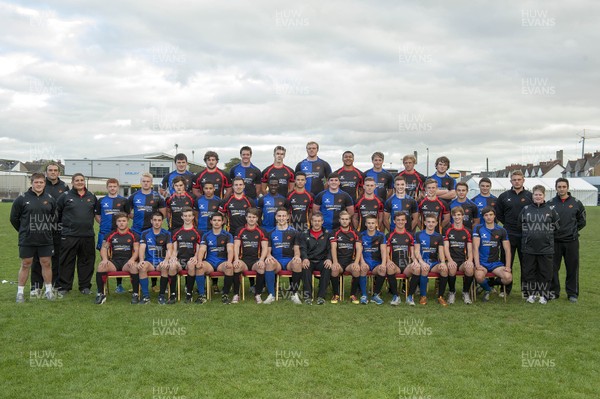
(159, 171)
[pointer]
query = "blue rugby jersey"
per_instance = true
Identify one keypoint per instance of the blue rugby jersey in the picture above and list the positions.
(372, 246)
(143, 206)
(216, 246)
(429, 246)
(490, 242)
(406, 205)
(330, 205)
(383, 180)
(316, 171)
(156, 245)
(107, 208)
(268, 204)
(251, 175)
(206, 208)
(481, 202)
(167, 181)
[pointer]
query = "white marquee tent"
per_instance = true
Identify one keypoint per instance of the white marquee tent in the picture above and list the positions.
(579, 188)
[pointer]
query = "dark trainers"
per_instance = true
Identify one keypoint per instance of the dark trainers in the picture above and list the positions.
(225, 299)
(135, 299)
(162, 300)
(145, 300)
(320, 301)
(86, 291)
(188, 298)
(201, 299)
(100, 299)
(172, 300)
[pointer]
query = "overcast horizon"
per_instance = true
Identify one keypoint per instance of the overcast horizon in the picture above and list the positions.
(512, 81)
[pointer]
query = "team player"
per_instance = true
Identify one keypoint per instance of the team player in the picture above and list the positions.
(488, 239)
(431, 205)
(351, 179)
(414, 180)
(31, 215)
(236, 206)
(429, 254)
(508, 207)
(156, 249)
(346, 252)
(181, 165)
(142, 204)
(458, 248)
(106, 209)
(566, 241)
(279, 171)
(400, 243)
(250, 250)
(177, 201)
(75, 210)
(284, 254)
(471, 213)
(484, 198)
(216, 254)
(315, 251)
(331, 202)
(211, 174)
(368, 204)
(315, 168)
(119, 252)
(383, 179)
(300, 204)
(207, 205)
(55, 187)
(446, 184)
(247, 171)
(268, 205)
(186, 244)
(374, 256)
(400, 202)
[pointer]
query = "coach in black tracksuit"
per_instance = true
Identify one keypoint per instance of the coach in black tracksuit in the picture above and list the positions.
(566, 241)
(315, 251)
(509, 205)
(76, 214)
(55, 187)
(539, 223)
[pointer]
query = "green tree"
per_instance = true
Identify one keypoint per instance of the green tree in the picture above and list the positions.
(232, 162)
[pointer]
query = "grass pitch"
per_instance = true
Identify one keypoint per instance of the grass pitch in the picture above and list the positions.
(74, 349)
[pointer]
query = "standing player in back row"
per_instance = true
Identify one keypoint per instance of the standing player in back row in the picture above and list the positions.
(315, 168)
(383, 179)
(414, 180)
(211, 174)
(331, 202)
(280, 172)
(181, 164)
(351, 179)
(247, 171)
(446, 184)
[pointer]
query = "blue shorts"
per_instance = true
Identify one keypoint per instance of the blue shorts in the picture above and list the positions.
(372, 264)
(100, 239)
(215, 262)
(284, 262)
(491, 265)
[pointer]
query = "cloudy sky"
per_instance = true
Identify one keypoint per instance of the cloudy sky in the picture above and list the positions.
(512, 81)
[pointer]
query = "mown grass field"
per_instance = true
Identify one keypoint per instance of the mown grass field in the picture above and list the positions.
(74, 349)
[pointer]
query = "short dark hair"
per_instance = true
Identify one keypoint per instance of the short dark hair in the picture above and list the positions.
(462, 183)
(53, 164)
(180, 156)
(485, 180)
(561, 180)
(210, 154)
(300, 174)
(157, 213)
(186, 209)
(245, 148)
(179, 179)
(488, 209)
(333, 176)
(120, 215)
(442, 159)
(76, 175)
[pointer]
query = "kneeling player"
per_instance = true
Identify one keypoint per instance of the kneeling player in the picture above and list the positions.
(185, 254)
(374, 256)
(119, 252)
(401, 246)
(216, 254)
(429, 253)
(250, 249)
(346, 252)
(458, 249)
(156, 249)
(487, 239)
(284, 254)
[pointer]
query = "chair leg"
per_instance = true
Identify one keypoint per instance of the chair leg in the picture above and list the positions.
(209, 288)
(242, 287)
(276, 287)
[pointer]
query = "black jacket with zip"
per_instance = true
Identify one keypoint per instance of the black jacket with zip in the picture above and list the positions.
(33, 216)
(539, 223)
